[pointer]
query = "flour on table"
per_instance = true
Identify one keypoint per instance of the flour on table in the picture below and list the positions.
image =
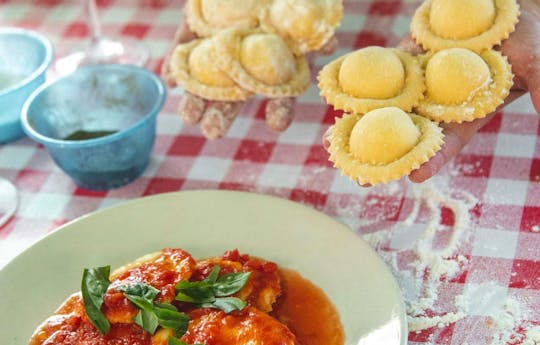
(506, 315)
(433, 264)
(421, 279)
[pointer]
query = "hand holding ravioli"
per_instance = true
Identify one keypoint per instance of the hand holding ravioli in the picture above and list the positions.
(522, 49)
(229, 51)
(465, 79)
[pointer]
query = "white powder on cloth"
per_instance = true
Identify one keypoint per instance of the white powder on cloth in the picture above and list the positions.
(505, 315)
(433, 264)
(420, 280)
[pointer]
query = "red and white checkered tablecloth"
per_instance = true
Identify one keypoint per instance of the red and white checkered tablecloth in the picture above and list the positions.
(484, 208)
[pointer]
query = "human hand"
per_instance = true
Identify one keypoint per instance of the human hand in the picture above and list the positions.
(523, 51)
(216, 117)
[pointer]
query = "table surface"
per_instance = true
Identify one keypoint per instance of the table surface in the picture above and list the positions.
(463, 247)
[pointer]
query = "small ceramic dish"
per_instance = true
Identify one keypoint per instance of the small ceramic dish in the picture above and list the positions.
(98, 123)
(25, 57)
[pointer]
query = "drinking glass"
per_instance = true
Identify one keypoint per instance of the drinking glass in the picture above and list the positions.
(100, 49)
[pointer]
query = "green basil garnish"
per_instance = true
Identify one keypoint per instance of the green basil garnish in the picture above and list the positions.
(195, 292)
(140, 294)
(95, 282)
(227, 304)
(214, 275)
(169, 317)
(147, 320)
(151, 314)
(229, 284)
(209, 292)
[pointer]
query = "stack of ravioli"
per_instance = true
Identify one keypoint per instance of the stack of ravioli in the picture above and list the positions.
(249, 47)
(394, 101)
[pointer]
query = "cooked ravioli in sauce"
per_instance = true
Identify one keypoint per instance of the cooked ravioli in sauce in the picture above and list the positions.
(169, 298)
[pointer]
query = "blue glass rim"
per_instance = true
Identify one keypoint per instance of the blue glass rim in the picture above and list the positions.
(149, 116)
(47, 60)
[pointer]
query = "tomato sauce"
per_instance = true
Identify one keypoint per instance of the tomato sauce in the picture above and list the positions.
(307, 311)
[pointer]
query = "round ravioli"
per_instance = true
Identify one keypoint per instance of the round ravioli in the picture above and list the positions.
(382, 145)
(473, 24)
(194, 69)
(260, 62)
(371, 78)
(305, 24)
(207, 17)
(462, 85)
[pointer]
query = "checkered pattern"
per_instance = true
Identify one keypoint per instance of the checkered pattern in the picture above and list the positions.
(500, 167)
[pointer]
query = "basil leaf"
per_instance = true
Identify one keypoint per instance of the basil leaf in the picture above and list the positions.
(214, 274)
(169, 317)
(200, 296)
(140, 294)
(166, 306)
(95, 282)
(227, 304)
(147, 320)
(194, 292)
(175, 341)
(229, 284)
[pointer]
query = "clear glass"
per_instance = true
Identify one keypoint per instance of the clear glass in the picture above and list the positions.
(8, 201)
(100, 49)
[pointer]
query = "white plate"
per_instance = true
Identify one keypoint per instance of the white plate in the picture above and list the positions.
(206, 223)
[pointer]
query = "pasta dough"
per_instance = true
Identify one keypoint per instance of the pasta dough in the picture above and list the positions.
(371, 78)
(382, 145)
(473, 24)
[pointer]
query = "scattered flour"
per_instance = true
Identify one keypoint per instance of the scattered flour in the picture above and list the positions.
(506, 315)
(417, 324)
(434, 262)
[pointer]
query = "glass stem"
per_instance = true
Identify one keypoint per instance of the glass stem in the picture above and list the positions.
(93, 19)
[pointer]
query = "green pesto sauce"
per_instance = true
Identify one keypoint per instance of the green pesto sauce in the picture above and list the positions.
(85, 135)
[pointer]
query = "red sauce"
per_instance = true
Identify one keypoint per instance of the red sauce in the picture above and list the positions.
(307, 311)
(302, 307)
(75, 330)
(170, 267)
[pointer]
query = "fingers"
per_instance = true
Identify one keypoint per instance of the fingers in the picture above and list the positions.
(456, 136)
(218, 118)
(191, 108)
(453, 143)
(280, 113)
(215, 117)
(183, 34)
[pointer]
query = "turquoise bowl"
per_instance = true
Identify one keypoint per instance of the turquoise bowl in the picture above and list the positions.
(98, 123)
(25, 57)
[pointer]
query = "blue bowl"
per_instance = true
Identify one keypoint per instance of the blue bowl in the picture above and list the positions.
(24, 59)
(116, 108)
